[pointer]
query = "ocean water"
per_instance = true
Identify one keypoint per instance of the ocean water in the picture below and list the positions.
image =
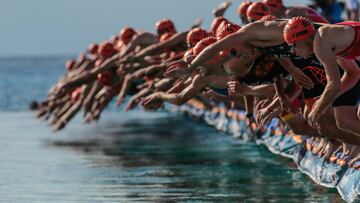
(130, 157)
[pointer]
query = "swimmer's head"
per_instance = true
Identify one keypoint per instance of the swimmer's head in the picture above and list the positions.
(126, 34)
(242, 10)
(93, 48)
(195, 35)
(70, 64)
(106, 50)
(298, 33)
(104, 79)
(202, 44)
(256, 11)
(227, 29)
(216, 23)
(165, 26)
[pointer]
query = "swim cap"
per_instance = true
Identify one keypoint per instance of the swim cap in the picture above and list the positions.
(202, 44)
(106, 50)
(227, 29)
(165, 25)
(70, 64)
(104, 79)
(98, 62)
(215, 24)
(298, 28)
(256, 11)
(165, 36)
(243, 7)
(274, 3)
(126, 34)
(75, 95)
(195, 35)
(269, 18)
(93, 48)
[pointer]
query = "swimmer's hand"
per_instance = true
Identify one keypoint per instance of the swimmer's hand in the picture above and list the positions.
(178, 69)
(237, 89)
(152, 101)
(314, 116)
(301, 79)
(220, 10)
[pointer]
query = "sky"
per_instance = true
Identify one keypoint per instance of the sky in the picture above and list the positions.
(67, 27)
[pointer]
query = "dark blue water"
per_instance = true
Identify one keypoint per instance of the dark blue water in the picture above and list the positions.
(136, 156)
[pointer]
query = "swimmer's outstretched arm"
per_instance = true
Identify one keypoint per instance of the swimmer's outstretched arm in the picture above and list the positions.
(189, 92)
(142, 40)
(238, 41)
(159, 47)
(220, 9)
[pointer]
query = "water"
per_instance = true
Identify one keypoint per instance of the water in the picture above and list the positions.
(136, 156)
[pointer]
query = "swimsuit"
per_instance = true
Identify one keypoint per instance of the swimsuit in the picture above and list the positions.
(353, 50)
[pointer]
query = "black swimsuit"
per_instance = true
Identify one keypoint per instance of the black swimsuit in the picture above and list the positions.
(314, 69)
(262, 71)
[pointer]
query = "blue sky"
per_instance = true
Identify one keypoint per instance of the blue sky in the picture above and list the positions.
(63, 27)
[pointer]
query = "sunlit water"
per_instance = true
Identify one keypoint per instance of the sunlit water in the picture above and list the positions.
(137, 156)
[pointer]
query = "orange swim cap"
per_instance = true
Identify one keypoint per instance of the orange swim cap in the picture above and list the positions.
(202, 44)
(269, 18)
(215, 24)
(70, 64)
(76, 94)
(164, 26)
(243, 7)
(274, 3)
(195, 35)
(104, 79)
(226, 30)
(297, 29)
(256, 11)
(106, 50)
(93, 48)
(126, 34)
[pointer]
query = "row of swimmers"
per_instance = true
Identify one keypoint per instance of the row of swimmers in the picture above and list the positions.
(285, 62)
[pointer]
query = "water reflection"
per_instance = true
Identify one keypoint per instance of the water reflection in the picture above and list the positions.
(168, 158)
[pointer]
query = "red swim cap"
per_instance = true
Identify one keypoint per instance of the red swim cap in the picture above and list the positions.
(256, 11)
(274, 3)
(126, 34)
(165, 25)
(195, 35)
(269, 18)
(98, 62)
(227, 29)
(70, 64)
(93, 48)
(202, 44)
(165, 36)
(106, 50)
(104, 79)
(75, 95)
(215, 24)
(243, 7)
(298, 28)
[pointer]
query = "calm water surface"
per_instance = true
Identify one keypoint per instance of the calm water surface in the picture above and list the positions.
(136, 156)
